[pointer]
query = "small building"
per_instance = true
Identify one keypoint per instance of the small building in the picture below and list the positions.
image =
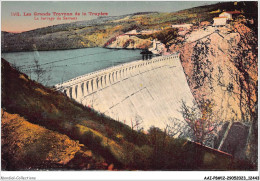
(157, 48)
(220, 21)
(184, 26)
(230, 15)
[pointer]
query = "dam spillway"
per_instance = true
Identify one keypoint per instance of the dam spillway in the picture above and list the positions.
(149, 92)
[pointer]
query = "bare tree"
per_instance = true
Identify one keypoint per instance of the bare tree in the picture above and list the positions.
(39, 71)
(201, 121)
(175, 127)
(43, 74)
(136, 124)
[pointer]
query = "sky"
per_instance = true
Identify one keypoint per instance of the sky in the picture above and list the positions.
(12, 23)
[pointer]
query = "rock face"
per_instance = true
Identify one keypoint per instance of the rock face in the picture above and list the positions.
(222, 67)
(131, 42)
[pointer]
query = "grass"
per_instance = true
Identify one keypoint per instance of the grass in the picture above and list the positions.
(25, 141)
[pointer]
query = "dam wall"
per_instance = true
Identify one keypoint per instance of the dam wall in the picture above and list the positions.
(140, 94)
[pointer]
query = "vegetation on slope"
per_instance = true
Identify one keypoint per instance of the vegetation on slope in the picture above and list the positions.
(29, 146)
(56, 112)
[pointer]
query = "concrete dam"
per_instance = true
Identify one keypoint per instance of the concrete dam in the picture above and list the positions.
(140, 94)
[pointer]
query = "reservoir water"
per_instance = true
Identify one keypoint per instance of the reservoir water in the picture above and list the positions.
(62, 65)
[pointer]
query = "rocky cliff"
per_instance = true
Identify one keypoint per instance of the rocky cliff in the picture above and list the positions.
(130, 42)
(221, 67)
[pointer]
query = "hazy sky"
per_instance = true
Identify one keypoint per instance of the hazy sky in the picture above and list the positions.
(13, 23)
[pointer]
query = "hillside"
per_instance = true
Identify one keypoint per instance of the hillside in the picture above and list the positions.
(34, 116)
(98, 32)
(49, 149)
(56, 112)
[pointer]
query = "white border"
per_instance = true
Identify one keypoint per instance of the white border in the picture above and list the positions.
(124, 175)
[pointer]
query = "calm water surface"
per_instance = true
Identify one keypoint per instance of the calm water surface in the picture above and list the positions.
(61, 65)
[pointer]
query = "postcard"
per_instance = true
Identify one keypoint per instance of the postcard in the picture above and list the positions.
(129, 90)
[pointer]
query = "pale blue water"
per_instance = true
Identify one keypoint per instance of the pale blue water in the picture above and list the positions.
(62, 65)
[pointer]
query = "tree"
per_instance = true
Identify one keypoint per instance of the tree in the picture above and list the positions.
(38, 69)
(174, 127)
(43, 75)
(200, 119)
(137, 123)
